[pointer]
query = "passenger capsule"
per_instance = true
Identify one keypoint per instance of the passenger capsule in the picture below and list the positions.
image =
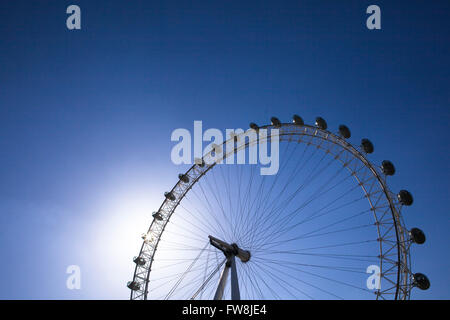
(169, 196)
(421, 281)
(367, 146)
(417, 235)
(275, 122)
(157, 216)
(254, 126)
(139, 261)
(297, 120)
(405, 198)
(183, 177)
(133, 285)
(388, 168)
(344, 131)
(321, 123)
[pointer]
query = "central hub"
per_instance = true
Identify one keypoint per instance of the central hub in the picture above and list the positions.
(230, 250)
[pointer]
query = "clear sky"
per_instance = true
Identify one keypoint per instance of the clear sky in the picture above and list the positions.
(86, 116)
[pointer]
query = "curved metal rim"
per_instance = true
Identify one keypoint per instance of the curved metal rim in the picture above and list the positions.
(196, 172)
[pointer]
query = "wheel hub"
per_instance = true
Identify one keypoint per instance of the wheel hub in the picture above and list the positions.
(230, 250)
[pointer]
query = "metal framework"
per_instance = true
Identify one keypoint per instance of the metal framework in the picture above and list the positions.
(393, 238)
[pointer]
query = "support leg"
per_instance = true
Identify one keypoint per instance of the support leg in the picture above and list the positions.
(235, 294)
(222, 282)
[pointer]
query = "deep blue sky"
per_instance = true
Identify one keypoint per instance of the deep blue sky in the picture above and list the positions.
(86, 116)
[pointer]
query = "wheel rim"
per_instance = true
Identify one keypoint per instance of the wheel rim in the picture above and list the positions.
(393, 244)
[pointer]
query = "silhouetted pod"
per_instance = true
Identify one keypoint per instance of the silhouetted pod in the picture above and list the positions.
(169, 196)
(157, 216)
(183, 178)
(254, 126)
(275, 122)
(344, 131)
(139, 261)
(321, 123)
(405, 197)
(133, 285)
(297, 120)
(421, 281)
(417, 235)
(388, 168)
(367, 146)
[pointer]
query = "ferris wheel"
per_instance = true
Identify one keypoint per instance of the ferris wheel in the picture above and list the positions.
(326, 226)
